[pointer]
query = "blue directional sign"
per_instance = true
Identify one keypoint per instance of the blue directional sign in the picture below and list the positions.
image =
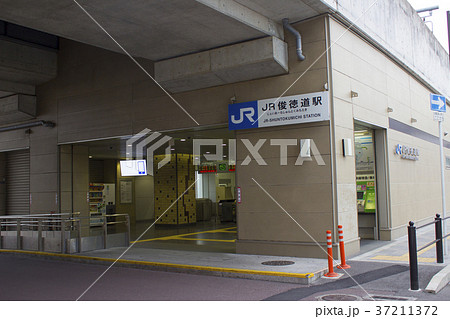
(437, 103)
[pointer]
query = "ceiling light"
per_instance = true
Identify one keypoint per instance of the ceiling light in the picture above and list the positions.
(183, 140)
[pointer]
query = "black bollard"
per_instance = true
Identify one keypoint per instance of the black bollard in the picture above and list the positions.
(439, 243)
(413, 266)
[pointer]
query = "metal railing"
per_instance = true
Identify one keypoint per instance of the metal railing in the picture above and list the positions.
(66, 225)
(413, 250)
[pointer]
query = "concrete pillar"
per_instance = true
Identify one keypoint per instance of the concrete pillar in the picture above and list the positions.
(304, 191)
(80, 184)
(43, 171)
(65, 166)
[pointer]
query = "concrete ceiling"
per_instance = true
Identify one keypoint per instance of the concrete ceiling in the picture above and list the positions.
(157, 29)
(182, 143)
(295, 10)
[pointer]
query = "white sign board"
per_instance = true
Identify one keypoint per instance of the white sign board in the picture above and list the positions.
(285, 110)
(133, 168)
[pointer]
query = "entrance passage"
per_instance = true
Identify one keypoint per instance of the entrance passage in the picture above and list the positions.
(189, 201)
(366, 191)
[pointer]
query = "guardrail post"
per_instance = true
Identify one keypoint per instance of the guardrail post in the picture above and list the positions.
(413, 263)
(439, 242)
(105, 231)
(19, 244)
(127, 217)
(40, 235)
(63, 236)
(79, 234)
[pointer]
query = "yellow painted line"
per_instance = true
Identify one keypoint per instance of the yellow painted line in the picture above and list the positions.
(188, 234)
(403, 258)
(170, 265)
(206, 239)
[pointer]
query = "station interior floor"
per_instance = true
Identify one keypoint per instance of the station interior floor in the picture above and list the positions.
(206, 236)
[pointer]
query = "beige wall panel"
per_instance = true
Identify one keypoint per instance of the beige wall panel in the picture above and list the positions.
(312, 81)
(47, 182)
(44, 145)
(66, 182)
(306, 174)
(340, 35)
(401, 112)
(398, 91)
(65, 164)
(342, 86)
(370, 98)
(319, 132)
(271, 248)
(312, 30)
(66, 202)
(293, 198)
(369, 116)
(44, 164)
(43, 202)
(278, 226)
(315, 60)
(345, 169)
(349, 221)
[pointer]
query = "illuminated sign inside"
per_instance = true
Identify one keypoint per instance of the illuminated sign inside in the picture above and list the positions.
(133, 168)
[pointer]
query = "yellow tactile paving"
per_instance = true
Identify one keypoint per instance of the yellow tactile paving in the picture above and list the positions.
(405, 257)
(182, 236)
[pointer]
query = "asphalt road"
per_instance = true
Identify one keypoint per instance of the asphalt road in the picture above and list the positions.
(32, 278)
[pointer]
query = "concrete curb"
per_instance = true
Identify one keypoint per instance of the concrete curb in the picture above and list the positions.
(439, 281)
(285, 277)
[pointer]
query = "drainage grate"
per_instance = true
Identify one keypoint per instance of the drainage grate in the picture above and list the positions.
(278, 263)
(338, 297)
(388, 298)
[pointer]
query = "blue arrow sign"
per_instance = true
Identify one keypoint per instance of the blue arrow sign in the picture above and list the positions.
(437, 103)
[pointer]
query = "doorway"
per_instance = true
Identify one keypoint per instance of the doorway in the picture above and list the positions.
(366, 182)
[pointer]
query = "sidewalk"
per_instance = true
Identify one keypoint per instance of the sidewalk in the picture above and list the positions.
(301, 271)
(397, 250)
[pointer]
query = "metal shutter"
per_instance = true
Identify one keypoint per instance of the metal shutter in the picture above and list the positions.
(18, 182)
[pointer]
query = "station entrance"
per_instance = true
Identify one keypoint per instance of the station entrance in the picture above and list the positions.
(186, 204)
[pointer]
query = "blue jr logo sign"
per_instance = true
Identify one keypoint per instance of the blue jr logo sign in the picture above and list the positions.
(243, 115)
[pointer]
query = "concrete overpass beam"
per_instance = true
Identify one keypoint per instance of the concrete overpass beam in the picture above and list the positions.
(17, 108)
(247, 16)
(239, 62)
(22, 63)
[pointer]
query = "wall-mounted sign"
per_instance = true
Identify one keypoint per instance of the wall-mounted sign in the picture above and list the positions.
(133, 168)
(407, 152)
(126, 191)
(438, 103)
(285, 110)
